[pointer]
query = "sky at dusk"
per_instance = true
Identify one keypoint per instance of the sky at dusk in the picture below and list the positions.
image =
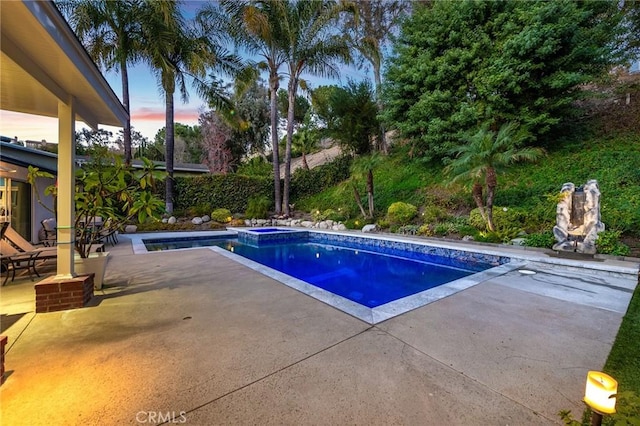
(147, 103)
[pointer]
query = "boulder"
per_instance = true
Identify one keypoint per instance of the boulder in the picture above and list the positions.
(340, 227)
(323, 225)
(468, 238)
(261, 222)
(370, 228)
(247, 222)
(172, 220)
(165, 220)
(517, 242)
(306, 224)
(196, 221)
(130, 229)
(206, 219)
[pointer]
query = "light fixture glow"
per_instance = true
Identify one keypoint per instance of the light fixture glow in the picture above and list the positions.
(600, 392)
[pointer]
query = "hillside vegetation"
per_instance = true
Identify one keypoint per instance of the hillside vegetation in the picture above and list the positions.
(606, 147)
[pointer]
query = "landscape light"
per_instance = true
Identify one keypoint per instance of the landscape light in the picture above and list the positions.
(600, 395)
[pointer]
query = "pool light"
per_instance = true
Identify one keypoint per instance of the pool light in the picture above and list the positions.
(600, 395)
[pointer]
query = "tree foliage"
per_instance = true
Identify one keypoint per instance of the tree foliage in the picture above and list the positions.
(459, 64)
(352, 116)
(484, 155)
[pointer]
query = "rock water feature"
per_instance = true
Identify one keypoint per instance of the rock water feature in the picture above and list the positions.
(578, 218)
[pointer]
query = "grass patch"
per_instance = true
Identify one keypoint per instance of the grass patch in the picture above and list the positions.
(624, 359)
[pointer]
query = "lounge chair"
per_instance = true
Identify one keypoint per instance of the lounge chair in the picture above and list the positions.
(14, 260)
(20, 244)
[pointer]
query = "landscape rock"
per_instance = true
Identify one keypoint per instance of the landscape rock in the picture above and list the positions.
(468, 238)
(165, 220)
(196, 221)
(247, 222)
(518, 242)
(206, 219)
(130, 229)
(261, 222)
(370, 228)
(306, 224)
(172, 220)
(323, 225)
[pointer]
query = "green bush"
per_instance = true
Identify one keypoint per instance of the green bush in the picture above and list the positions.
(425, 230)
(309, 182)
(540, 239)
(608, 242)
(353, 224)
(230, 191)
(221, 215)
(433, 213)
(400, 213)
(503, 217)
(329, 214)
(258, 207)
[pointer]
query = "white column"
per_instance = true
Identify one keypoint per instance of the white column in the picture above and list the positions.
(66, 188)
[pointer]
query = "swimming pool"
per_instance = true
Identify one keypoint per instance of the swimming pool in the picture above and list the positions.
(371, 277)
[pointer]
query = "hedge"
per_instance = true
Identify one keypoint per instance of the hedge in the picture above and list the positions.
(230, 191)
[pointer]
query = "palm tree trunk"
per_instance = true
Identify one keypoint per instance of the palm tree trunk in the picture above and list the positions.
(125, 101)
(356, 194)
(492, 183)
(169, 148)
(382, 137)
(304, 161)
(293, 88)
(273, 87)
(370, 191)
(477, 197)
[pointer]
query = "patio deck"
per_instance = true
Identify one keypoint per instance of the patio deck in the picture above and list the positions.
(196, 338)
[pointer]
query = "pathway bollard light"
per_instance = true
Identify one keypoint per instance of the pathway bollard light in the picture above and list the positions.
(600, 395)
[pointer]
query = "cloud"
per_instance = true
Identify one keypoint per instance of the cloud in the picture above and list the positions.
(182, 115)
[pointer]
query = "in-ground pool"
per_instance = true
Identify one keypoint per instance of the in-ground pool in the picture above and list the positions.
(370, 278)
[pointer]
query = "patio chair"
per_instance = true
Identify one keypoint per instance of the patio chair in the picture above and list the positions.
(108, 233)
(50, 232)
(19, 244)
(12, 261)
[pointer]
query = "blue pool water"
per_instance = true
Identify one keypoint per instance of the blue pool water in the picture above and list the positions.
(368, 278)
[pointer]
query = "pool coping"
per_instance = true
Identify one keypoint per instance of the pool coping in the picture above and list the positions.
(518, 259)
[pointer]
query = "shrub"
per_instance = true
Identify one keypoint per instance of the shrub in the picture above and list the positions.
(608, 242)
(231, 191)
(503, 217)
(353, 224)
(329, 214)
(433, 213)
(540, 239)
(221, 215)
(309, 182)
(401, 213)
(425, 230)
(258, 207)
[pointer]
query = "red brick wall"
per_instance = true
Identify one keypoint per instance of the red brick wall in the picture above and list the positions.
(61, 295)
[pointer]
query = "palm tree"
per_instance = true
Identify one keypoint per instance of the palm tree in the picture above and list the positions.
(310, 45)
(368, 32)
(256, 26)
(486, 153)
(178, 50)
(110, 31)
(364, 166)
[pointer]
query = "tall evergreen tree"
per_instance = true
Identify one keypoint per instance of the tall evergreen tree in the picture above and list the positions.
(458, 64)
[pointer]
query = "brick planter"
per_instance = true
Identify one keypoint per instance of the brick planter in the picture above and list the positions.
(3, 343)
(55, 295)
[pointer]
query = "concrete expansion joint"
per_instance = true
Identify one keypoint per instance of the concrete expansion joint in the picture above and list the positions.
(286, 367)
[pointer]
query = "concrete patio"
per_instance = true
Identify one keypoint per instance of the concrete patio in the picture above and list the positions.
(193, 337)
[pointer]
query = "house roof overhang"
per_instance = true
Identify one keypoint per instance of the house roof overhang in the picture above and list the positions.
(43, 62)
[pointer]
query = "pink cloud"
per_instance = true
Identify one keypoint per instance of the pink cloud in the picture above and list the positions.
(188, 115)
